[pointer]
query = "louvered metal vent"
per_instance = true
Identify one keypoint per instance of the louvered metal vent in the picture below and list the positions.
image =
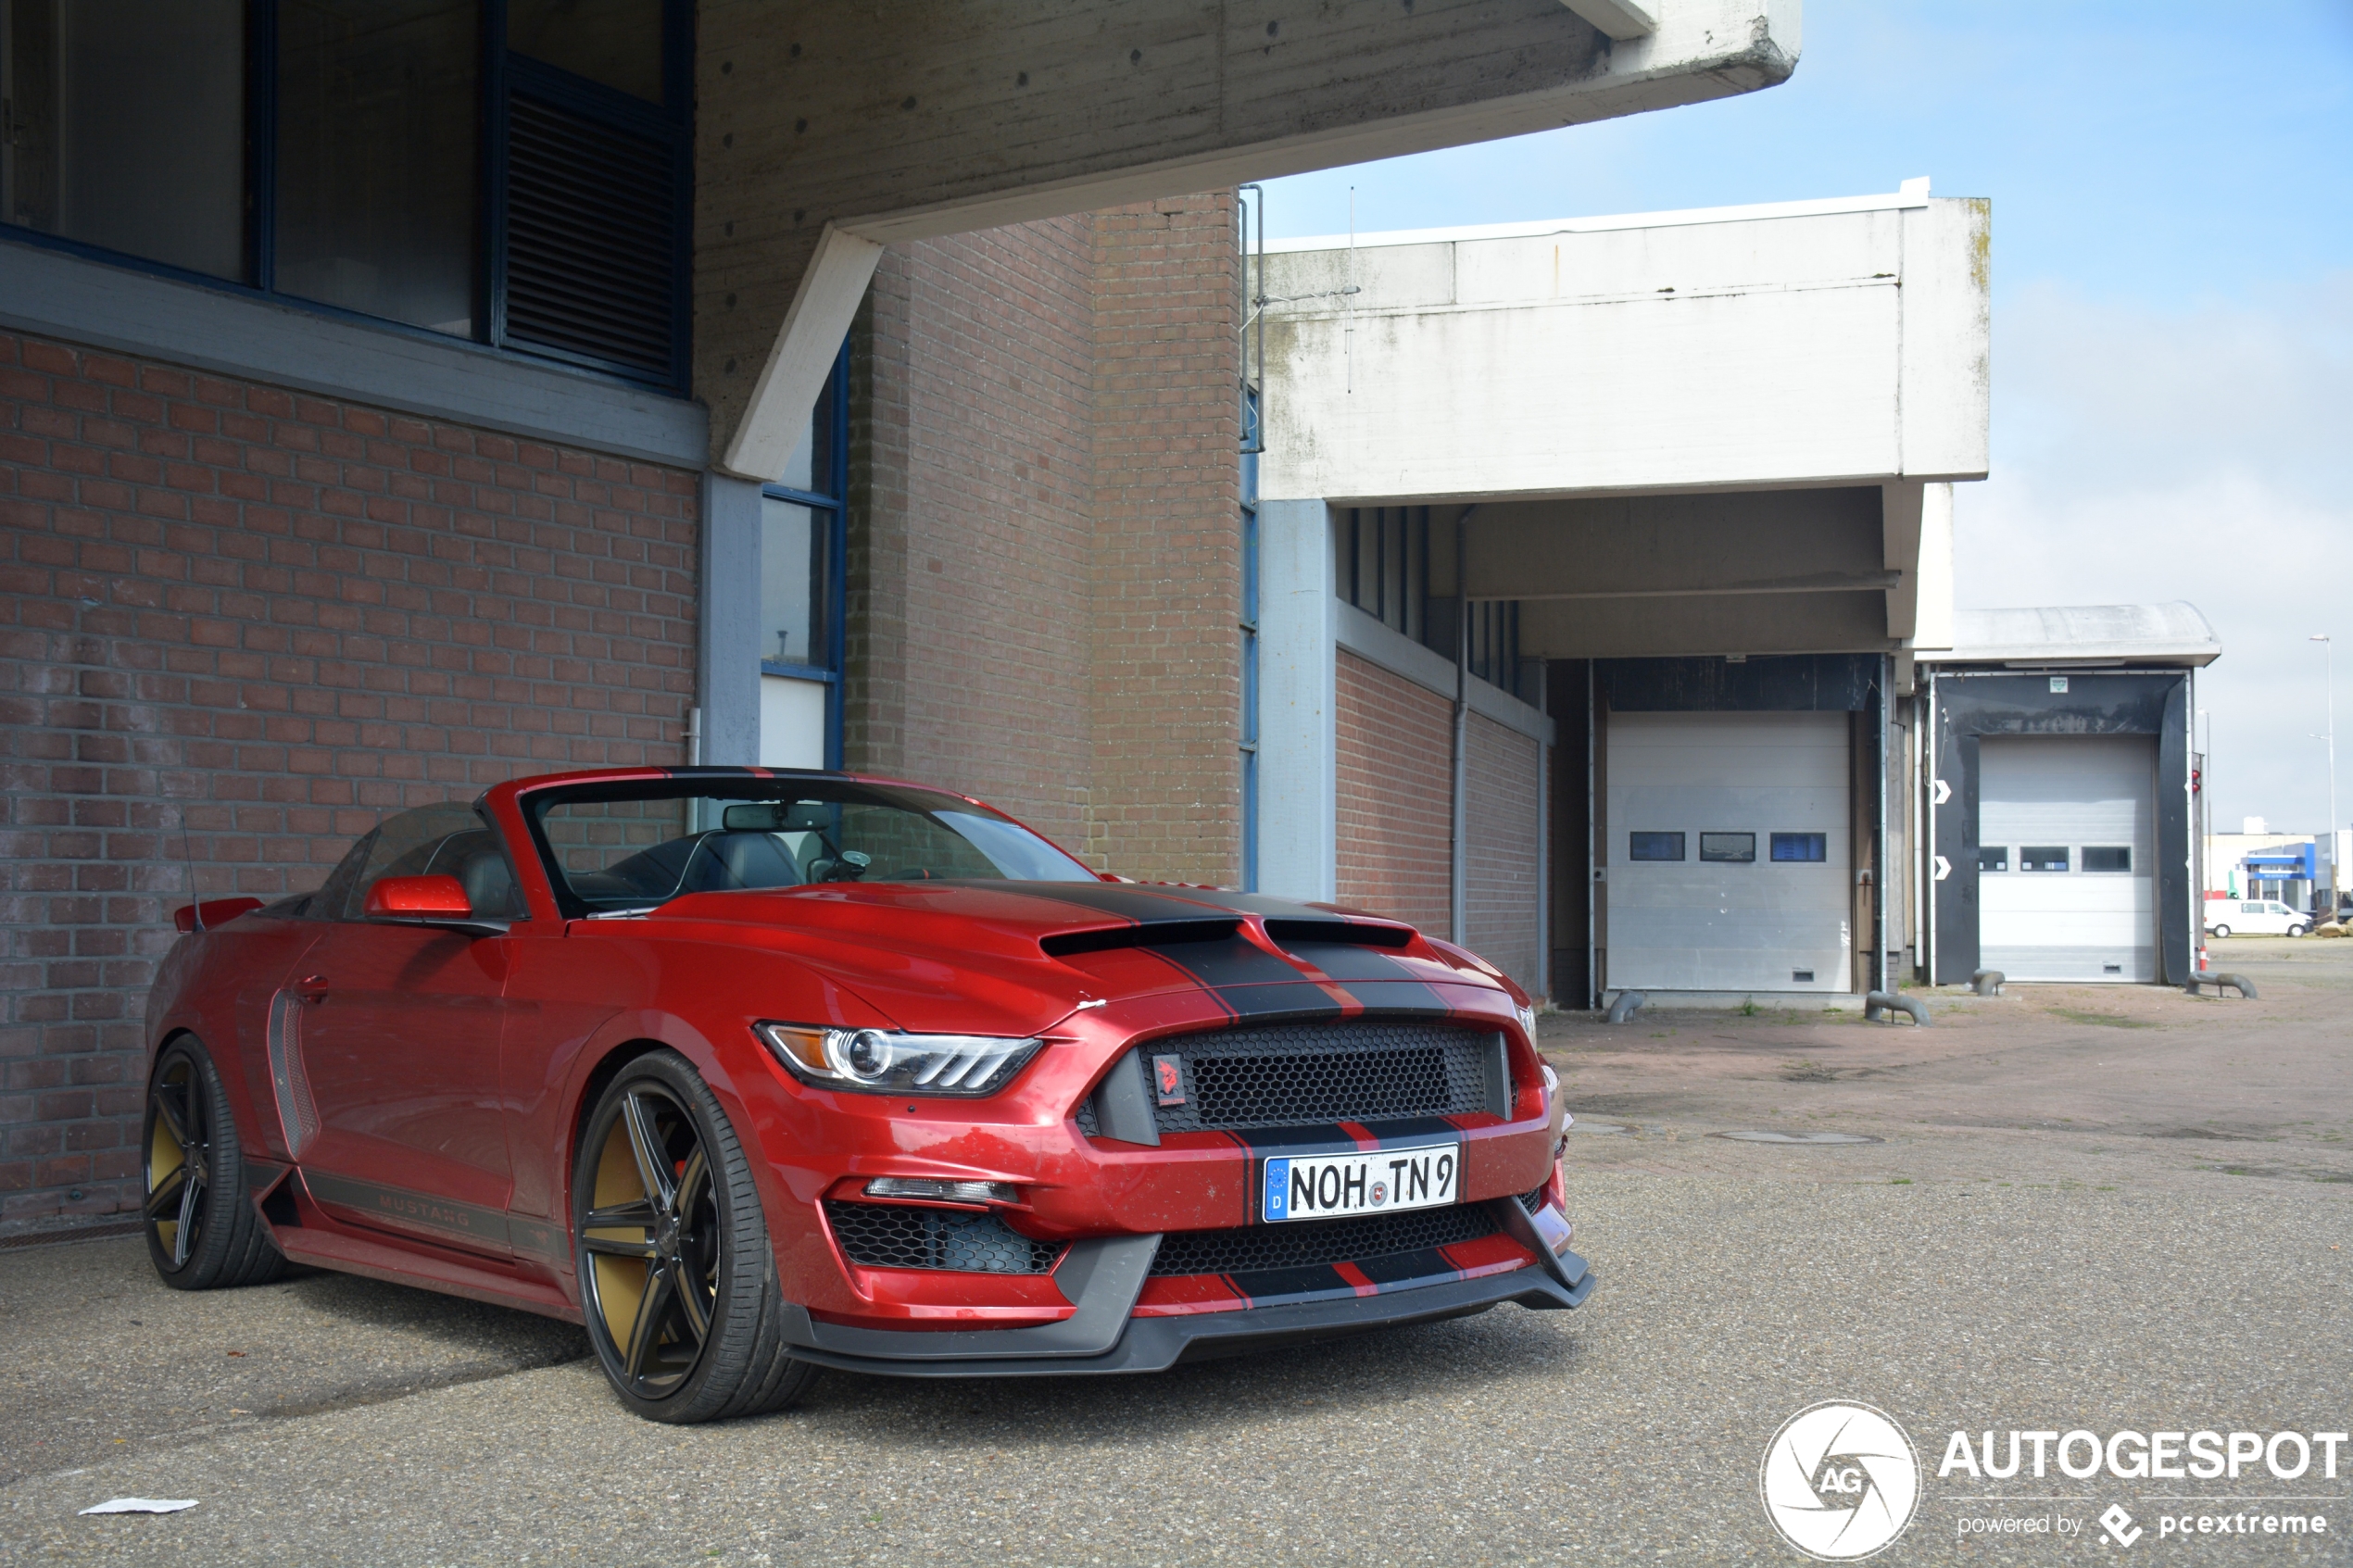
(591, 215)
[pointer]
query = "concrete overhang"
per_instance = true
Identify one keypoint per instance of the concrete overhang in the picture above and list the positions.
(1839, 342)
(825, 132)
(2080, 637)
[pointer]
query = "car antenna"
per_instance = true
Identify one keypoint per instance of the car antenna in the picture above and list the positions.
(195, 901)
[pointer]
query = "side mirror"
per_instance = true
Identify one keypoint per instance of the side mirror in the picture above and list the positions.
(428, 900)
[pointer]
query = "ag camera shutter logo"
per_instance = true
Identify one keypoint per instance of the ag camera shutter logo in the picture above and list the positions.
(1840, 1481)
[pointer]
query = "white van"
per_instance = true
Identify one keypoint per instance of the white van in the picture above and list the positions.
(2254, 917)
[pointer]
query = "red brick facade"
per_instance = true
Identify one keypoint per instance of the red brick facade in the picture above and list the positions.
(1503, 883)
(1045, 570)
(1396, 784)
(274, 616)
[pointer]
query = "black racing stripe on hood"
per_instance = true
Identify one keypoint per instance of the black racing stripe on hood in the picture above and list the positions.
(1252, 981)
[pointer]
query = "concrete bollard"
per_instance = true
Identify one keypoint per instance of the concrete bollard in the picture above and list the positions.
(1879, 1002)
(1626, 1005)
(2216, 979)
(1987, 981)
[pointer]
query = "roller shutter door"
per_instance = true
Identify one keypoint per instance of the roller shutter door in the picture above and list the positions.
(1690, 793)
(2066, 888)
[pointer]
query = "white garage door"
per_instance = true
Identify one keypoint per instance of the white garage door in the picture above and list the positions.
(2066, 887)
(1729, 865)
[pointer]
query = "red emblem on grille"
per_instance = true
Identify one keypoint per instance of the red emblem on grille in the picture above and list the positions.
(1168, 1076)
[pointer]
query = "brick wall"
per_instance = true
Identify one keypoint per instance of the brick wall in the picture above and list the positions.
(1167, 671)
(1396, 786)
(969, 612)
(280, 616)
(1044, 566)
(1501, 885)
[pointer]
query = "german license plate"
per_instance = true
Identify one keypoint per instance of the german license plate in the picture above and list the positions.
(1329, 1186)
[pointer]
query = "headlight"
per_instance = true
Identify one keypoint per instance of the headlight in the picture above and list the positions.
(883, 1062)
(1527, 1023)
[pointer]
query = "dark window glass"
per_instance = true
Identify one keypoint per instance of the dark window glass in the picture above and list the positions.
(1654, 847)
(1737, 848)
(794, 578)
(377, 147)
(2107, 858)
(2042, 858)
(126, 127)
(615, 42)
(1993, 857)
(1801, 846)
(406, 846)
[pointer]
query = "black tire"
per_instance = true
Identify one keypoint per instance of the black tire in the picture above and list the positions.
(2296, 931)
(678, 1280)
(203, 1230)
(2219, 931)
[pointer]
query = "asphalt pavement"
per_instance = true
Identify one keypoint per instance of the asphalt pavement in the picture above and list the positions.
(2039, 1241)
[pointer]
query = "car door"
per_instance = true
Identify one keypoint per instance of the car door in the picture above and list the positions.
(400, 1029)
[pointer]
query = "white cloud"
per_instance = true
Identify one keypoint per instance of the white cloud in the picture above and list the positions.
(2199, 455)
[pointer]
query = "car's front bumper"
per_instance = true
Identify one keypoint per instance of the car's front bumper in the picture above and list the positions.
(1102, 1334)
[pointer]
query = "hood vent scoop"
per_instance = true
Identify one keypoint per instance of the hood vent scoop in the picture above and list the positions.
(1336, 934)
(1157, 934)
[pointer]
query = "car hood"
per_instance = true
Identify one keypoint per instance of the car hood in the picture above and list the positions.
(1020, 957)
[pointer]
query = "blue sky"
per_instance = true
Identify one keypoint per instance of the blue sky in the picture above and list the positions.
(2172, 189)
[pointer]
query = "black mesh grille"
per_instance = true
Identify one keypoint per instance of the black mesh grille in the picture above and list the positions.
(591, 223)
(1305, 1245)
(1309, 1074)
(896, 1235)
(1533, 1201)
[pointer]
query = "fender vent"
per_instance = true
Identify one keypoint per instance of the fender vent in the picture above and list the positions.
(289, 1084)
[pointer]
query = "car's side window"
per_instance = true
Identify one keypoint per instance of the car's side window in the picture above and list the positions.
(444, 840)
(328, 903)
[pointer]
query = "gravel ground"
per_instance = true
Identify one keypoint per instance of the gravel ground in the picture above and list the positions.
(2036, 1245)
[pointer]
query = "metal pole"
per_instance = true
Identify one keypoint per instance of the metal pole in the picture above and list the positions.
(1592, 848)
(1879, 851)
(2328, 649)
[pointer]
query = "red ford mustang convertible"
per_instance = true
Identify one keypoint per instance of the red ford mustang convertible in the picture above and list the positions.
(759, 1072)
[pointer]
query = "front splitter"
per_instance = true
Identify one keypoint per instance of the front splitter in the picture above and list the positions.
(1157, 1343)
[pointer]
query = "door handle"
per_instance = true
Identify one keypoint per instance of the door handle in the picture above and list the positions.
(311, 988)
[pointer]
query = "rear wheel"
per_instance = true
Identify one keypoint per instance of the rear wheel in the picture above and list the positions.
(677, 1279)
(203, 1230)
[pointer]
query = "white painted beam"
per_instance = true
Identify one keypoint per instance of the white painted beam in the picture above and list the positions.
(1622, 20)
(776, 415)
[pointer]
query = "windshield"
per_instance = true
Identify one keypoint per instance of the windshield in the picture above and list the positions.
(629, 846)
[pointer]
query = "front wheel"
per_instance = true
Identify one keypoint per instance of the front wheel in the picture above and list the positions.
(2219, 931)
(678, 1280)
(2296, 931)
(203, 1230)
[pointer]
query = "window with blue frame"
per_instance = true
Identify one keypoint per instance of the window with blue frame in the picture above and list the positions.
(513, 172)
(1814, 846)
(804, 547)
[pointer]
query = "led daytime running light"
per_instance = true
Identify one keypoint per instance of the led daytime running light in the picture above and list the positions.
(943, 1192)
(886, 1061)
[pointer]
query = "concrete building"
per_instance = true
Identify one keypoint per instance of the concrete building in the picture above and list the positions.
(1621, 535)
(398, 399)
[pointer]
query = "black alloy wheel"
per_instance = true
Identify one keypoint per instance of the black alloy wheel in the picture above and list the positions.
(203, 1230)
(677, 1281)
